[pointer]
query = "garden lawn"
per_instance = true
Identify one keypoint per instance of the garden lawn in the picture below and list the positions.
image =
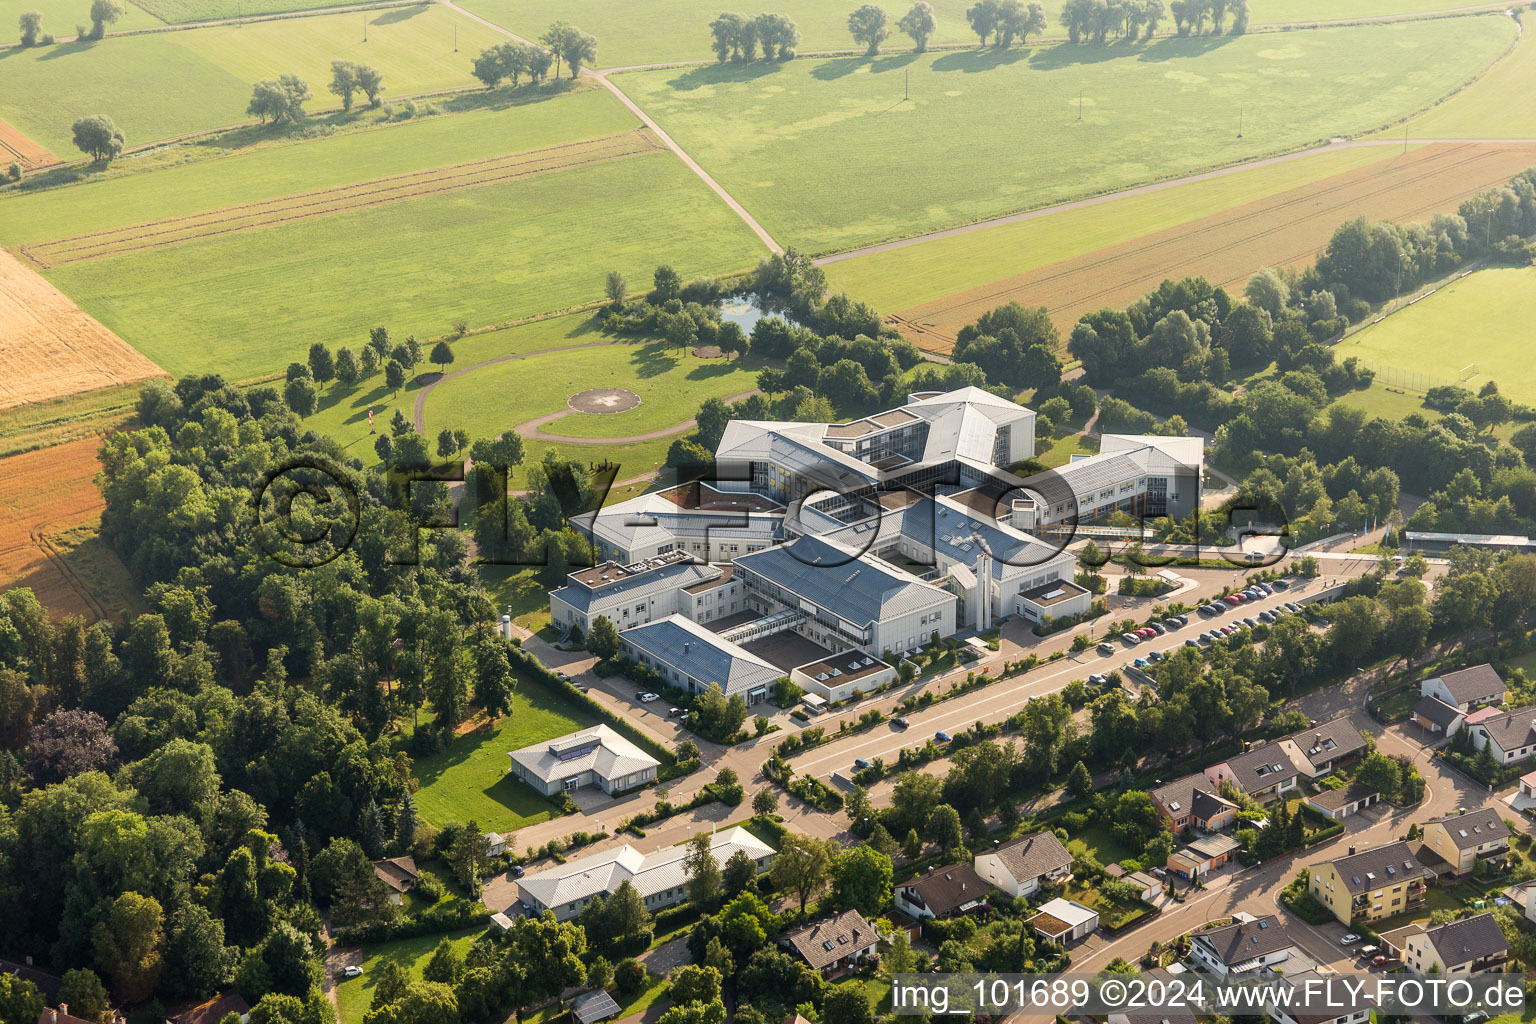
(1495, 307)
(912, 275)
(1105, 846)
(470, 780)
(249, 303)
(526, 119)
(672, 30)
(354, 995)
(1061, 450)
(779, 137)
(163, 84)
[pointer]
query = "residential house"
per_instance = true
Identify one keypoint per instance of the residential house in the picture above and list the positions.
(598, 756)
(1065, 921)
(1021, 866)
(1317, 999)
(1511, 735)
(1472, 945)
(1436, 716)
(659, 877)
(212, 1012)
(400, 874)
(1202, 856)
(1264, 772)
(1370, 885)
(1238, 951)
(942, 892)
(1154, 1015)
(61, 1015)
(834, 944)
(1193, 802)
(1459, 841)
(47, 984)
(1318, 750)
(1338, 804)
(1467, 689)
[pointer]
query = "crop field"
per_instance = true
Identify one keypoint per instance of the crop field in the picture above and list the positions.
(177, 12)
(486, 255)
(50, 347)
(1288, 227)
(61, 17)
(1079, 120)
(164, 84)
(674, 30)
(1496, 106)
(49, 511)
(1493, 309)
(286, 210)
(17, 147)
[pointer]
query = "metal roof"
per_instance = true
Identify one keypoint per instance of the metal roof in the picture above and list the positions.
(600, 749)
(860, 590)
(602, 873)
(701, 654)
(593, 1006)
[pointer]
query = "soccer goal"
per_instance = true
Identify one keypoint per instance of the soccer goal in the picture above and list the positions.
(1467, 372)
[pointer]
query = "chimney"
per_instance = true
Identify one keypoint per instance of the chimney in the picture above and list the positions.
(64, 1009)
(1351, 851)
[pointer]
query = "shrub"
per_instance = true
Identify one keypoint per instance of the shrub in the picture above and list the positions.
(629, 976)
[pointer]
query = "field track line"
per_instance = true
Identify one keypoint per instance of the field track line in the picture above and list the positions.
(531, 429)
(1303, 195)
(343, 199)
(645, 119)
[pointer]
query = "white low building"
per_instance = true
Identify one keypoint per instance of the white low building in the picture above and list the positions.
(659, 877)
(598, 756)
(1064, 921)
(639, 592)
(1242, 949)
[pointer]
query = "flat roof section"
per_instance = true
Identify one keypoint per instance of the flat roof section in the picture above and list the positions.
(841, 668)
(706, 498)
(985, 503)
(718, 581)
(858, 428)
(787, 650)
(1055, 592)
(893, 417)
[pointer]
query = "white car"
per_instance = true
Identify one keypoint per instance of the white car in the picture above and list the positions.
(1350, 939)
(352, 972)
(646, 698)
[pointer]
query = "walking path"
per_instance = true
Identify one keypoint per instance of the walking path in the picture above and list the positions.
(530, 430)
(418, 411)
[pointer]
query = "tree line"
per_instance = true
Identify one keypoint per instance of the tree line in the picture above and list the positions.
(739, 37)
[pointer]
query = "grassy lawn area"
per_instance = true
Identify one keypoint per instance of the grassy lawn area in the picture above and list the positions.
(354, 995)
(1062, 449)
(1492, 107)
(1112, 913)
(163, 84)
(1387, 401)
(1147, 111)
(1101, 842)
(1491, 305)
(522, 591)
(61, 16)
(470, 779)
(178, 11)
(244, 302)
(912, 275)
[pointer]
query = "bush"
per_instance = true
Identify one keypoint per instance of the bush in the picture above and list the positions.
(629, 976)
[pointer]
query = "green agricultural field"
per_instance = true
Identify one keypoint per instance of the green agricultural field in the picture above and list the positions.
(354, 995)
(909, 276)
(470, 780)
(163, 84)
(1484, 317)
(178, 12)
(530, 119)
(62, 17)
(780, 137)
(485, 255)
(674, 30)
(1497, 106)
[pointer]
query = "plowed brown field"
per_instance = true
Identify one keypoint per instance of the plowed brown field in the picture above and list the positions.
(49, 509)
(50, 348)
(287, 209)
(1226, 247)
(14, 146)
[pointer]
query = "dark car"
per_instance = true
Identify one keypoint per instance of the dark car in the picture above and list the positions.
(1281, 585)
(859, 764)
(515, 871)
(941, 736)
(1191, 642)
(899, 722)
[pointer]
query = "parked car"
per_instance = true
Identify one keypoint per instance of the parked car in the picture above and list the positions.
(941, 736)
(1155, 656)
(1140, 663)
(1282, 585)
(1233, 599)
(1172, 623)
(1106, 648)
(1228, 630)
(515, 871)
(1250, 621)
(1205, 609)
(859, 764)
(1368, 950)
(676, 712)
(1157, 627)
(1349, 940)
(1096, 680)
(1159, 872)
(647, 697)
(899, 722)
(1146, 632)
(352, 971)
(1130, 638)
(1293, 607)
(1191, 642)
(1266, 616)
(1382, 960)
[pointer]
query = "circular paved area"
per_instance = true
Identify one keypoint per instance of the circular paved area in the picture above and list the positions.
(603, 401)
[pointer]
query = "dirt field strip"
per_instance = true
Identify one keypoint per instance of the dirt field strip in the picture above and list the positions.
(51, 348)
(16, 146)
(358, 196)
(1226, 247)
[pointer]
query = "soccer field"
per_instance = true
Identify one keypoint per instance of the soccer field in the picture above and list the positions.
(1483, 319)
(780, 137)
(163, 84)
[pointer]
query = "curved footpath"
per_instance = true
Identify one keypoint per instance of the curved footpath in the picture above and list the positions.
(530, 430)
(419, 409)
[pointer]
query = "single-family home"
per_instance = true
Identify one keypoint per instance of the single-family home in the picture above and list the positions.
(942, 892)
(1436, 716)
(1021, 866)
(833, 944)
(1467, 689)
(598, 756)
(1317, 999)
(1240, 950)
(1193, 802)
(1370, 885)
(1262, 772)
(1155, 1015)
(1320, 749)
(1511, 734)
(1064, 921)
(212, 1011)
(400, 874)
(1338, 804)
(1459, 841)
(1472, 945)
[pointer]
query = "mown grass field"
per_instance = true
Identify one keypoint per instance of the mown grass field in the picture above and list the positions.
(528, 119)
(163, 84)
(776, 136)
(485, 255)
(61, 17)
(177, 12)
(909, 276)
(674, 30)
(354, 995)
(1497, 106)
(470, 780)
(1484, 318)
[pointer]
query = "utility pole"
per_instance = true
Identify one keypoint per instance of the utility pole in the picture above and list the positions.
(365, 26)
(906, 87)
(1079, 104)
(455, 39)
(1239, 120)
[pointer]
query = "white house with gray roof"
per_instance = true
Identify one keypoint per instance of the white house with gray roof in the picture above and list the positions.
(1466, 689)
(637, 592)
(691, 657)
(659, 877)
(598, 756)
(1511, 734)
(1021, 866)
